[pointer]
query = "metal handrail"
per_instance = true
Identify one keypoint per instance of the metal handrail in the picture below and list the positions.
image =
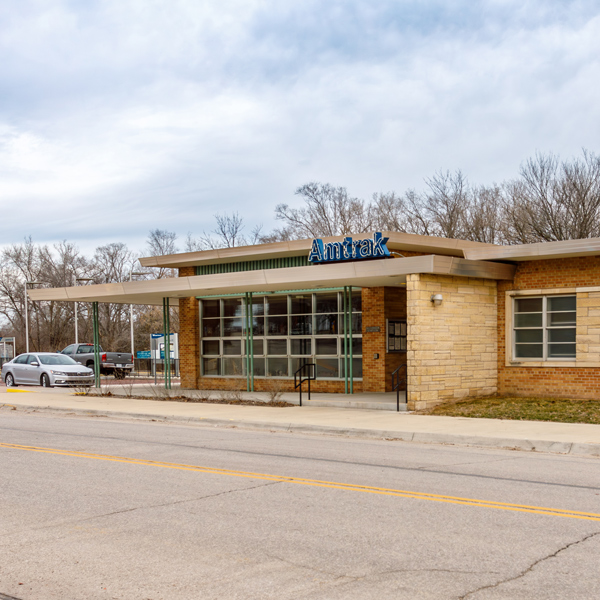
(398, 381)
(312, 374)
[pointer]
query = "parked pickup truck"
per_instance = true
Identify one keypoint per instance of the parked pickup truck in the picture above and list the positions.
(115, 363)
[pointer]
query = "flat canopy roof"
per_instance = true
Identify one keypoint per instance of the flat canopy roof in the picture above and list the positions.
(397, 242)
(538, 251)
(366, 273)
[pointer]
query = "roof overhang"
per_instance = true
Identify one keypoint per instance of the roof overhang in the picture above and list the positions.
(397, 242)
(538, 251)
(368, 273)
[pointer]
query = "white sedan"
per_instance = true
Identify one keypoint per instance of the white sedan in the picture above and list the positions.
(46, 369)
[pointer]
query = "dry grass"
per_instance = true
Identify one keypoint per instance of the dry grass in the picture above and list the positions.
(563, 410)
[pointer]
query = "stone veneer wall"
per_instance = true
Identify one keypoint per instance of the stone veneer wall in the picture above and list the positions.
(581, 379)
(452, 348)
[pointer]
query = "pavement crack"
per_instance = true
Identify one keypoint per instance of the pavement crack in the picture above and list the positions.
(530, 568)
(145, 507)
(299, 565)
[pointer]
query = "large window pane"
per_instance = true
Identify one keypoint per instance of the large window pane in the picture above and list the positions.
(259, 367)
(211, 308)
(327, 303)
(233, 327)
(356, 323)
(258, 306)
(328, 367)
(529, 350)
(211, 347)
(298, 362)
(258, 347)
(258, 326)
(529, 335)
(211, 327)
(232, 307)
(356, 367)
(232, 347)
(356, 301)
(277, 325)
(277, 367)
(356, 346)
(276, 305)
(562, 318)
(302, 304)
(561, 350)
(232, 366)
(562, 303)
(212, 366)
(301, 324)
(326, 324)
(326, 346)
(529, 305)
(277, 347)
(561, 335)
(528, 320)
(301, 346)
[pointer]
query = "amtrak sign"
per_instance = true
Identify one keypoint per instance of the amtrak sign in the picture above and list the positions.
(349, 249)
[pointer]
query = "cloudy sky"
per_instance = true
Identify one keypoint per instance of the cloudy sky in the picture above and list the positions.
(120, 116)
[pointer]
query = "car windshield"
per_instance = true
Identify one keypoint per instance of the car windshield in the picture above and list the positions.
(56, 359)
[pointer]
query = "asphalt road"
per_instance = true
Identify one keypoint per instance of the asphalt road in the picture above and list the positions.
(96, 508)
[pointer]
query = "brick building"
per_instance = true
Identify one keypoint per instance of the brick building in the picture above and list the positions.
(466, 318)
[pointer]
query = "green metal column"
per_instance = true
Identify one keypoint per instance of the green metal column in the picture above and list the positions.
(247, 336)
(350, 334)
(167, 344)
(96, 344)
(345, 321)
(251, 343)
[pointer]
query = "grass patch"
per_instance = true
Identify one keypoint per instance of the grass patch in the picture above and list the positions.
(562, 410)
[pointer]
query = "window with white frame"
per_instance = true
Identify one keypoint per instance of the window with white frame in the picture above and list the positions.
(289, 330)
(544, 327)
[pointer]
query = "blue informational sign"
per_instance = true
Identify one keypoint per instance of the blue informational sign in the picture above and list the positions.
(144, 354)
(349, 249)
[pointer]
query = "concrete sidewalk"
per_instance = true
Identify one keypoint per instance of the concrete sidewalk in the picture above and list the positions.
(562, 438)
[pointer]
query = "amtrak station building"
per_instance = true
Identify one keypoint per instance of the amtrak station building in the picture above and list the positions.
(466, 318)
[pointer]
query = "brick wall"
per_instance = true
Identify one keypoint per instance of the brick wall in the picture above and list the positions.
(578, 380)
(452, 347)
(189, 337)
(379, 304)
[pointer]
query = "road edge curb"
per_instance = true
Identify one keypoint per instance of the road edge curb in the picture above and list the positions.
(553, 447)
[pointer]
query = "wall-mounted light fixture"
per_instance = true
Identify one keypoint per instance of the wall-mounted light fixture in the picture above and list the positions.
(436, 299)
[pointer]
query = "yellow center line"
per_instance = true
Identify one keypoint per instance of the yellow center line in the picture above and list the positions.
(540, 510)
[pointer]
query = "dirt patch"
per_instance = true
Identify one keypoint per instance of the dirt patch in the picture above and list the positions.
(562, 410)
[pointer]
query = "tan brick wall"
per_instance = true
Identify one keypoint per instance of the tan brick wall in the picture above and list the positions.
(576, 380)
(452, 350)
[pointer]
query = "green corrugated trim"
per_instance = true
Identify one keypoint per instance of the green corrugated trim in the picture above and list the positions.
(254, 265)
(303, 291)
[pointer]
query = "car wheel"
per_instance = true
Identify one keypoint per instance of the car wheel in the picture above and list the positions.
(10, 380)
(45, 380)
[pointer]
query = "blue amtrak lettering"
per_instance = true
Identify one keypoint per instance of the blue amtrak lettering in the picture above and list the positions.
(349, 249)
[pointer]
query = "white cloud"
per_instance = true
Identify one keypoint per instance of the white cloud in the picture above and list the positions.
(118, 117)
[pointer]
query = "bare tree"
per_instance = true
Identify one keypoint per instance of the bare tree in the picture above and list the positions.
(554, 200)
(327, 211)
(228, 233)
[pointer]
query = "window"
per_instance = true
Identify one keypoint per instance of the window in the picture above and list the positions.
(544, 327)
(289, 330)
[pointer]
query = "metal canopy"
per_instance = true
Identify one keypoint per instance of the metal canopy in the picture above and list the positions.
(368, 273)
